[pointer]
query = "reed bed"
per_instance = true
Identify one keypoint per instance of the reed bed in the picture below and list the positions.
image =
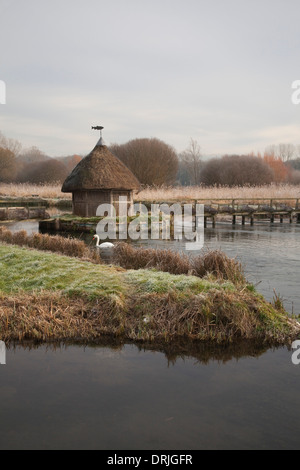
(182, 193)
(164, 193)
(21, 190)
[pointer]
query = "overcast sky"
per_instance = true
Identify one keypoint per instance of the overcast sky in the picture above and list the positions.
(217, 71)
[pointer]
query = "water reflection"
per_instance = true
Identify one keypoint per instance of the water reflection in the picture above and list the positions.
(201, 352)
(126, 397)
(117, 395)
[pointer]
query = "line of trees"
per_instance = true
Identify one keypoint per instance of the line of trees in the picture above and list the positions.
(32, 165)
(155, 162)
(278, 164)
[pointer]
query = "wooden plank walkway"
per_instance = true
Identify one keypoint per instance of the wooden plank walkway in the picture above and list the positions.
(249, 210)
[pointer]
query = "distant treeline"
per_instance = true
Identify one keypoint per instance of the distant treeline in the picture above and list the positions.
(156, 163)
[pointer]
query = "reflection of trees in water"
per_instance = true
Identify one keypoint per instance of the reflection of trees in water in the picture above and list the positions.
(206, 352)
(203, 352)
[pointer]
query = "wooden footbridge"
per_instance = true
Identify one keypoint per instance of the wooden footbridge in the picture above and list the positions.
(249, 210)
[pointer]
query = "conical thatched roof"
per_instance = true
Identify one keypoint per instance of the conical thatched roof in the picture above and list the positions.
(100, 170)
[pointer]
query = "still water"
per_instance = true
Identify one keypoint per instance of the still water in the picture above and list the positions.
(125, 397)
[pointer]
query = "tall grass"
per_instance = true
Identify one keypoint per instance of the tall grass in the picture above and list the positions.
(210, 262)
(164, 193)
(29, 190)
(55, 243)
(222, 192)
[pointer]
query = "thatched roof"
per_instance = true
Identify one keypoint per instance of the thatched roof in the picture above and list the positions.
(100, 170)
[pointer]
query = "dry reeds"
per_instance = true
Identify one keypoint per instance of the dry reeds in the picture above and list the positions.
(144, 258)
(165, 193)
(20, 190)
(213, 262)
(218, 264)
(217, 316)
(55, 243)
(182, 193)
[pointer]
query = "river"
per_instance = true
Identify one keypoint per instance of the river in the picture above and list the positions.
(116, 397)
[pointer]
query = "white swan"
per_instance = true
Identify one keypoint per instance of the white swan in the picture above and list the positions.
(102, 245)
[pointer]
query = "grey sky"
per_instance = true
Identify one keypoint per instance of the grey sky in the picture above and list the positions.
(219, 71)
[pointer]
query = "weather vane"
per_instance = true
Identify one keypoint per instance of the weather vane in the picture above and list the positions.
(98, 128)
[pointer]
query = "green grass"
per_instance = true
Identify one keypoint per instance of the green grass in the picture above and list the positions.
(23, 269)
(147, 281)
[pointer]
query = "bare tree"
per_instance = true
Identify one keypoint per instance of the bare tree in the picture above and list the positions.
(10, 144)
(32, 155)
(286, 151)
(192, 158)
(283, 151)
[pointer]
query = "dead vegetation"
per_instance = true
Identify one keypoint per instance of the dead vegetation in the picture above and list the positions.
(213, 262)
(165, 193)
(54, 243)
(46, 297)
(219, 316)
(246, 192)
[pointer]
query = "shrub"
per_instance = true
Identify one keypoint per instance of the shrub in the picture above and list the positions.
(152, 161)
(48, 171)
(236, 170)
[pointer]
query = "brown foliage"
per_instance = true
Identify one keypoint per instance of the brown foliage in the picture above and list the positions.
(280, 170)
(236, 170)
(8, 166)
(163, 260)
(48, 171)
(152, 161)
(213, 262)
(54, 243)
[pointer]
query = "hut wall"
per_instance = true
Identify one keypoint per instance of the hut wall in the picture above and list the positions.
(116, 194)
(85, 203)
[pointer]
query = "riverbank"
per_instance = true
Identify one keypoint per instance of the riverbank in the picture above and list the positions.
(49, 297)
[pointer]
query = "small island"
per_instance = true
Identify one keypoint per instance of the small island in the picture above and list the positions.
(51, 297)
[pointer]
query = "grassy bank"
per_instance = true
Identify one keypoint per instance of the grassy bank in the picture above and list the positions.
(51, 297)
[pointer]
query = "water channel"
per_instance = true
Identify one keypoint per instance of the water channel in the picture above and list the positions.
(121, 396)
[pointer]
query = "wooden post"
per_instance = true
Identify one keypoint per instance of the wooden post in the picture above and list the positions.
(243, 220)
(213, 221)
(205, 222)
(233, 220)
(281, 218)
(252, 220)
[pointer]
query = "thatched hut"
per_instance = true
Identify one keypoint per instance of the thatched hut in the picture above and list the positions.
(99, 178)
